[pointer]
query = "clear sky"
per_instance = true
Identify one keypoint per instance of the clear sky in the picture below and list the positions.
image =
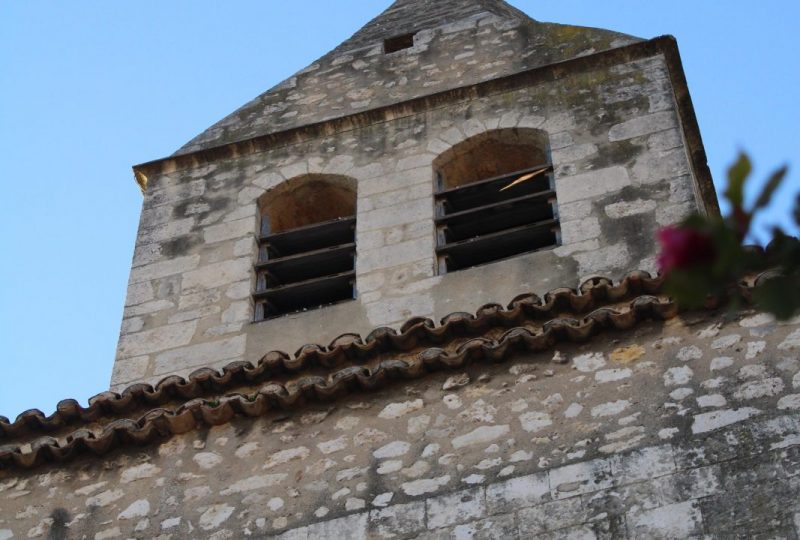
(90, 88)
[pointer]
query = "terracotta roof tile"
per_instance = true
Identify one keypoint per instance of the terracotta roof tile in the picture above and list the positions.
(143, 413)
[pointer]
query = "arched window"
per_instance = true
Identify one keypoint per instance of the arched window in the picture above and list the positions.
(495, 198)
(306, 246)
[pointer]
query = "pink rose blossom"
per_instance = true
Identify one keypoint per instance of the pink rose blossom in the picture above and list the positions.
(683, 248)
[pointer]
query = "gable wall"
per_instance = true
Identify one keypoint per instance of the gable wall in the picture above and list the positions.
(475, 45)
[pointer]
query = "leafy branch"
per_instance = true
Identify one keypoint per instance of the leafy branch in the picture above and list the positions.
(707, 256)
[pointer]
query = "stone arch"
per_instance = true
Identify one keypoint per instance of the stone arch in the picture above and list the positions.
(305, 200)
(490, 154)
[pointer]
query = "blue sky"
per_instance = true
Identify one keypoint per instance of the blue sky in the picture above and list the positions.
(90, 88)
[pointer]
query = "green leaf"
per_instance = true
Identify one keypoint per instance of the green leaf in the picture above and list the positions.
(690, 287)
(779, 295)
(737, 175)
(769, 189)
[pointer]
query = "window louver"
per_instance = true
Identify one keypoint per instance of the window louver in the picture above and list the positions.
(496, 218)
(305, 268)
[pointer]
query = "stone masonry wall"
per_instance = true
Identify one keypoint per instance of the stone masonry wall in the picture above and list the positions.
(688, 428)
(457, 43)
(621, 171)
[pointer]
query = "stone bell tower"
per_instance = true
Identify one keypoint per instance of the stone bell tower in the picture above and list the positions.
(447, 155)
(404, 294)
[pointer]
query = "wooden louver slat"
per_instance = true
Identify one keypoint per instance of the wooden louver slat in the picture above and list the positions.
(305, 268)
(496, 218)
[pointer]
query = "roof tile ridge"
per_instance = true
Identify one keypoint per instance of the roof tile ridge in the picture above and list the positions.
(160, 422)
(348, 346)
(593, 292)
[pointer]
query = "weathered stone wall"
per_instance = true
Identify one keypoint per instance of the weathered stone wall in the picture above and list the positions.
(457, 43)
(621, 171)
(688, 428)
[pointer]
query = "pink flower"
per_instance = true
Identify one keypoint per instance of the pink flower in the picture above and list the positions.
(684, 248)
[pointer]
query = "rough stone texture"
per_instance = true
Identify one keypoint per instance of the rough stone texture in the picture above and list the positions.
(193, 267)
(664, 460)
(458, 42)
(683, 429)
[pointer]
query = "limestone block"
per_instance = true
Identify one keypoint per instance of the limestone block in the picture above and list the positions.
(553, 516)
(674, 213)
(215, 516)
(267, 180)
(603, 260)
(643, 464)
(246, 247)
(239, 291)
(681, 520)
(139, 293)
(520, 492)
(480, 435)
(714, 420)
(397, 254)
(164, 337)
(352, 527)
(237, 312)
(229, 231)
(368, 171)
(398, 214)
(642, 125)
(580, 230)
(394, 310)
(339, 164)
(173, 193)
(248, 196)
(252, 483)
(574, 210)
(369, 240)
(198, 355)
(152, 306)
(131, 325)
(395, 181)
(665, 140)
(218, 274)
(560, 140)
(562, 121)
(151, 217)
(296, 169)
(127, 370)
(161, 269)
(455, 507)
(658, 166)
(630, 208)
(167, 231)
(580, 478)
(573, 153)
(192, 314)
(437, 146)
(399, 520)
(592, 184)
(146, 254)
(391, 198)
(452, 135)
(681, 189)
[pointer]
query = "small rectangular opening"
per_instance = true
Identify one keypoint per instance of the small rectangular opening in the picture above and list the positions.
(398, 43)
